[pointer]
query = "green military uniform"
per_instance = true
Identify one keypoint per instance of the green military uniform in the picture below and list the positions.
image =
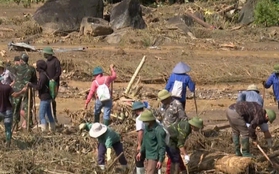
(179, 133)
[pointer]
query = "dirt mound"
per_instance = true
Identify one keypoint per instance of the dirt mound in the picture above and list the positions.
(65, 16)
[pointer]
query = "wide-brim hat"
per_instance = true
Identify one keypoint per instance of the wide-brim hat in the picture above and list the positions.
(137, 105)
(181, 68)
(276, 68)
(252, 87)
(164, 94)
(271, 115)
(96, 71)
(196, 122)
(48, 50)
(147, 116)
(97, 130)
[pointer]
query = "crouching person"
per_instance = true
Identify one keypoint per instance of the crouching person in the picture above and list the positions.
(153, 144)
(252, 113)
(178, 134)
(6, 110)
(44, 94)
(107, 139)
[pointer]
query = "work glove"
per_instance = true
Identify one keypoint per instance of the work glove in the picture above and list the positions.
(186, 159)
(248, 125)
(108, 154)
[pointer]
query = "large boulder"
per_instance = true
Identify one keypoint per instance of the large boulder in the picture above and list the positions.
(95, 26)
(127, 14)
(66, 15)
(246, 15)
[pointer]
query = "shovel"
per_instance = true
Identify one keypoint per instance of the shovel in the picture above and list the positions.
(195, 100)
(274, 165)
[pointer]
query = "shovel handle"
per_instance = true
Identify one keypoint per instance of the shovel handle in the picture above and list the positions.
(265, 155)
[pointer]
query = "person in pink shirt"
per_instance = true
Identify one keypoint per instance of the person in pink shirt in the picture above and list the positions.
(103, 96)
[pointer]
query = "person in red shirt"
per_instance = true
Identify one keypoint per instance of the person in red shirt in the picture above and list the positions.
(100, 85)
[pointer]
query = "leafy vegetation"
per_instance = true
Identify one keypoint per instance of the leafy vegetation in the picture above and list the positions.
(267, 13)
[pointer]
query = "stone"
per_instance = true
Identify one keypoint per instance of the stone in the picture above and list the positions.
(65, 16)
(95, 27)
(246, 14)
(127, 13)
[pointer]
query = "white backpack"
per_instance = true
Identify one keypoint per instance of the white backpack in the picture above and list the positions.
(177, 89)
(103, 91)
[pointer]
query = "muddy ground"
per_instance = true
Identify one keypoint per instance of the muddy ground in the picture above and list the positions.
(219, 72)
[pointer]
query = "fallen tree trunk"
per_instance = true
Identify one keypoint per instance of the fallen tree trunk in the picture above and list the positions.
(227, 163)
(217, 127)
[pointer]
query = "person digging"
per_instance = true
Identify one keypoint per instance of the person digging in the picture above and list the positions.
(172, 113)
(100, 85)
(252, 95)
(252, 113)
(107, 139)
(178, 134)
(153, 143)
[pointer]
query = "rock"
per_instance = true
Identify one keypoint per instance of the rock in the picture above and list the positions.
(95, 26)
(65, 16)
(127, 14)
(246, 14)
(116, 37)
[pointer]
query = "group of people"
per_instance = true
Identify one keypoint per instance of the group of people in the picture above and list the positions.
(18, 83)
(166, 135)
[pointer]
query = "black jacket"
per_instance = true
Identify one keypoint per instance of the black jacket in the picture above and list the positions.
(42, 85)
(54, 69)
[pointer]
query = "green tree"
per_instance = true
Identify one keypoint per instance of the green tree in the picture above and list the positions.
(267, 12)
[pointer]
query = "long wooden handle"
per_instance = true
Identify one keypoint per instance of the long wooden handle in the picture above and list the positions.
(265, 155)
(195, 100)
(29, 109)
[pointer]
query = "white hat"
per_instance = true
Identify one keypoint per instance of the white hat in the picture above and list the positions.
(97, 130)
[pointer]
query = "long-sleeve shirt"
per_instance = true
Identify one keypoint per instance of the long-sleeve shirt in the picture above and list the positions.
(250, 96)
(186, 81)
(54, 69)
(153, 143)
(173, 113)
(109, 138)
(252, 113)
(100, 80)
(42, 87)
(274, 81)
(179, 133)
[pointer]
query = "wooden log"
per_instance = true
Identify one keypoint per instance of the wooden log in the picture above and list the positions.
(217, 127)
(227, 163)
(199, 21)
(135, 75)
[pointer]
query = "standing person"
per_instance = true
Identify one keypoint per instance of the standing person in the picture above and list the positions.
(24, 58)
(54, 72)
(172, 113)
(6, 76)
(107, 139)
(12, 70)
(100, 85)
(153, 145)
(44, 95)
(252, 95)
(178, 82)
(6, 109)
(252, 113)
(178, 135)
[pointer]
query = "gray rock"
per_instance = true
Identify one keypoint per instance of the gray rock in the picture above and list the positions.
(65, 16)
(95, 26)
(246, 14)
(127, 14)
(116, 37)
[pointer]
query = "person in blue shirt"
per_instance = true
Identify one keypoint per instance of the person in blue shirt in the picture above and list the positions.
(179, 81)
(273, 81)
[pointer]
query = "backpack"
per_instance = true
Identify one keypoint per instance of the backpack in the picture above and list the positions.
(177, 89)
(52, 86)
(103, 91)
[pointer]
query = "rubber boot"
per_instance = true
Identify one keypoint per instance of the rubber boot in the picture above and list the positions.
(43, 127)
(246, 147)
(106, 122)
(140, 170)
(52, 127)
(269, 144)
(174, 168)
(96, 118)
(236, 145)
(8, 133)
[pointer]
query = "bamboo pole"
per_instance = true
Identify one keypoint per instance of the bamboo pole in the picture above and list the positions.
(135, 75)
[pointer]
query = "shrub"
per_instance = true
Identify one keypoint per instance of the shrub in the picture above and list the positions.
(267, 12)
